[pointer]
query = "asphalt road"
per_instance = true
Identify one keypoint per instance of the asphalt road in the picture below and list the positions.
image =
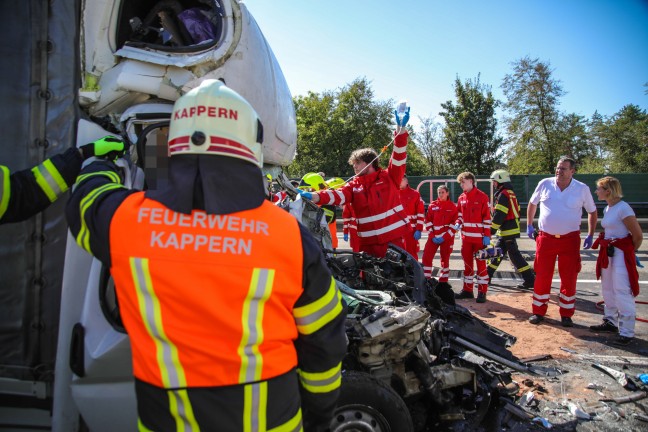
(553, 395)
(588, 289)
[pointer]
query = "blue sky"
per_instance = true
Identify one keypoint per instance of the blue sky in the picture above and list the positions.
(415, 49)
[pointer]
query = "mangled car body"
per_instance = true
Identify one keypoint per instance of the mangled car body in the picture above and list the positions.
(416, 361)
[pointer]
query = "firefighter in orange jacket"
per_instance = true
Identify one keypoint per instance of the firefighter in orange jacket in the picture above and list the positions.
(415, 210)
(374, 194)
(506, 222)
(474, 219)
(234, 320)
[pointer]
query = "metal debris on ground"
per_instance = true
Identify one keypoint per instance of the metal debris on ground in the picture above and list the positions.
(577, 411)
(632, 397)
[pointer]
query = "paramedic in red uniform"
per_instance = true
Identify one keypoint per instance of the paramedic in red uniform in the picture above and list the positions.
(474, 219)
(439, 221)
(561, 200)
(374, 195)
(234, 320)
(415, 210)
(349, 227)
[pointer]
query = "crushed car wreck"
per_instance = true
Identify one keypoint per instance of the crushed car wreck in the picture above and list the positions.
(415, 350)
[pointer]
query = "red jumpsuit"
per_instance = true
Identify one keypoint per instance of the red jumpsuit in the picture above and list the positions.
(439, 221)
(349, 226)
(376, 202)
(415, 209)
(475, 219)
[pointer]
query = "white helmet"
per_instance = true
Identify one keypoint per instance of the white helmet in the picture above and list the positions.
(212, 119)
(501, 176)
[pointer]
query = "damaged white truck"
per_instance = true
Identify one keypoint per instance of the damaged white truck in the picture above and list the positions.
(83, 69)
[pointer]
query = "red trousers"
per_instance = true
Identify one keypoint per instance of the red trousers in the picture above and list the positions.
(428, 256)
(354, 242)
(411, 244)
(468, 254)
(379, 250)
(567, 249)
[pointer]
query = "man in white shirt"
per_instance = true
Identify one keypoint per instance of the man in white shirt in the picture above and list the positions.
(561, 200)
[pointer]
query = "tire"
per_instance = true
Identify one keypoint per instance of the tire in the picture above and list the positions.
(369, 405)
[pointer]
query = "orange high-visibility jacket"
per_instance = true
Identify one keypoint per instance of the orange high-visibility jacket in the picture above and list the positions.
(234, 319)
(233, 271)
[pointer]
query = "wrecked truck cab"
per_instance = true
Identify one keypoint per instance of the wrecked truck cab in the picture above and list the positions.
(124, 64)
(136, 59)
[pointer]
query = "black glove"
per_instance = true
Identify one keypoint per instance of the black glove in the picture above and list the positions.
(108, 147)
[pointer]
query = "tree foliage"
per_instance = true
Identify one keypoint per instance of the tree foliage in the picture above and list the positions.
(470, 132)
(332, 124)
(533, 121)
(429, 140)
(623, 140)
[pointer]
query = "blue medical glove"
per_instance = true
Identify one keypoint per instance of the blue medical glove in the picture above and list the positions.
(417, 235)
(456, 227)
(406, 117)
(588, 242)
(530, 231)
(403, 122)
(305, 194)
(486, 240)
(438, 240)
(638, 262)
(346, 237)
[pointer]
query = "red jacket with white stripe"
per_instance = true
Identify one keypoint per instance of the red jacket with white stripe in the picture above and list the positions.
(414, 207)
(440, 219)
(474, 216)
(380, 216)
(348, 219)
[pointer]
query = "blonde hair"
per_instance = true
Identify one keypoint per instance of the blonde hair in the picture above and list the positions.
(612, 184)
(466, 175)
(444, 187)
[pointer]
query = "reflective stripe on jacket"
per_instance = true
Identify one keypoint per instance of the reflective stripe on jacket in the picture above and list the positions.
(440, 219)
(28, 192)
(473, 215)
(348, 219)
(380, 216)
(233, 270)
(414, 207)
(204, 303)
(506, 213)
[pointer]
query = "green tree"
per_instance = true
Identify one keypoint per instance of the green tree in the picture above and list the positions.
(470, 132)
(532, 116)
(597, 161)
(573, 138)
(625, 138)
(333, 124)
(429, 140)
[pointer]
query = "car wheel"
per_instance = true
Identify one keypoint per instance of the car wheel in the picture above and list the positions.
(369, 405)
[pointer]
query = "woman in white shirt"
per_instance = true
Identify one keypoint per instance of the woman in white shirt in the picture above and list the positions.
(616, 263)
